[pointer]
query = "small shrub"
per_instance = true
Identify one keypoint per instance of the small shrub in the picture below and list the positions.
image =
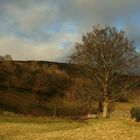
(135, 113)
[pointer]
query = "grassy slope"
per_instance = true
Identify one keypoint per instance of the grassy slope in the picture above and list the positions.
(18, 100)
(24, 101)
(27, 128)
(44, 129)
(119, 127)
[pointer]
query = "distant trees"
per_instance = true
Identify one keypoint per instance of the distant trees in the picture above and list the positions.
(106, 56)
(6, 58)
(43, 79)
(50, 82)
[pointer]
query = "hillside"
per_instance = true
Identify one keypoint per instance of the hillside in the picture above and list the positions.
(44, 88)
(31, 87)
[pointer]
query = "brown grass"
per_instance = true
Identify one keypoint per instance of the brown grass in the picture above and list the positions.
(45, 129)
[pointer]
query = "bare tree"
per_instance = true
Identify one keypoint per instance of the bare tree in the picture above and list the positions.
(106, 56)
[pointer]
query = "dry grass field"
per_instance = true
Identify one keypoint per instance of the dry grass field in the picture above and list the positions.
(28, 128)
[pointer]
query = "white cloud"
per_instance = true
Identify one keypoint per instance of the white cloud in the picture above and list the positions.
(26, 50)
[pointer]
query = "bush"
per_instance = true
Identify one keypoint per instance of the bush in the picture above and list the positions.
(135, 113)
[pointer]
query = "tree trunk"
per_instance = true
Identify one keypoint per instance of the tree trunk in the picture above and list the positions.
(100, 105)
(54, 114)
(105, 109)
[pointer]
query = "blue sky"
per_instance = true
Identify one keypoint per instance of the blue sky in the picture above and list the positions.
(48, 29)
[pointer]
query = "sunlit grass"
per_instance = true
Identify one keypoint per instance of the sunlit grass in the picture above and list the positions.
(27, 128)
(118, 127)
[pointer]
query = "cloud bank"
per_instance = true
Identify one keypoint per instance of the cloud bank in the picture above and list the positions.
(48, 29)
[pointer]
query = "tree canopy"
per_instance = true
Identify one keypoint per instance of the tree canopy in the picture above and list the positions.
(107, 56)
